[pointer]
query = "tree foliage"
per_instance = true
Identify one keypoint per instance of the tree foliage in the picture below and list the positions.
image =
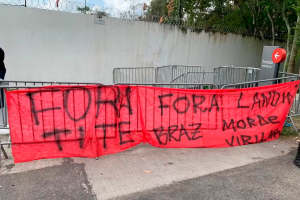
(157, 8)
(84, 9)
(87, 10)
(272, 19)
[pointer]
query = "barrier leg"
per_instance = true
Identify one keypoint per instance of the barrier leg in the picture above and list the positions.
(4, 152)
(9, 140)
(291, 119)
(286, 121)
(293, 124)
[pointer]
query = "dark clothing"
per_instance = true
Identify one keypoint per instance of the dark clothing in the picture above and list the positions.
(2, 66)
(2, 75)
(297, 159)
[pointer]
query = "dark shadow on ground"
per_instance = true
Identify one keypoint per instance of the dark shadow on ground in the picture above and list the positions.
(68, 181)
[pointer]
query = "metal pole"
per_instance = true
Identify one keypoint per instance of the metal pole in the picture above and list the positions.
(25, 3)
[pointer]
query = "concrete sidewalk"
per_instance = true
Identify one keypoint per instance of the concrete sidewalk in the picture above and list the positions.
(146, 167)
(275, 178)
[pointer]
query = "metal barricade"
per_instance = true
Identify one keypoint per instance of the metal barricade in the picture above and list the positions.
(164, 74)
(256, 83)
(295, 107)
(231, 75)
(285, 74)
(134, 75)
(176, 85)
(180, 79)
(294, 111)
(15, 85)
(178, 70)
(174, 73)
(3, 107)
(202, 77)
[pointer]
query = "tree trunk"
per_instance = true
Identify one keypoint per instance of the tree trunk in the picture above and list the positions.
(288, 43)
(261, 31)
(180, 9)
(253, 18)
(292, 61)
(273, 28)
(255, 28)
(262, 35)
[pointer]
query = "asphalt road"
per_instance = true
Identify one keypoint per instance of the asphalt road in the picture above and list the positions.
(258, 171)
(64, 182)
(275, 178)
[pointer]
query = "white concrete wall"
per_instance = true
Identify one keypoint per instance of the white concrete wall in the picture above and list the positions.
(56, 46)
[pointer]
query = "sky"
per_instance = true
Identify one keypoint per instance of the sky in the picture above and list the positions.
(111, 6)
(115, 7)
(121, 5)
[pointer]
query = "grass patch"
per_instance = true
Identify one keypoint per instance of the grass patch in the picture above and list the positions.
(289, 132)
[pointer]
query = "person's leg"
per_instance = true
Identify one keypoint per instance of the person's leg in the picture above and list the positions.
(297, 159)
(2, 98)
(2, 75)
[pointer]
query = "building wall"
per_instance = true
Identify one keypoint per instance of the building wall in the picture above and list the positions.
(45, 45)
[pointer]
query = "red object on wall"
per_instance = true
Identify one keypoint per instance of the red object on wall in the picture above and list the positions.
(279, 55)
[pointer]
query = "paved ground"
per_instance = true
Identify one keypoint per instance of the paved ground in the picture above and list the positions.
(275, 178)
(148, 172)
(67, 181)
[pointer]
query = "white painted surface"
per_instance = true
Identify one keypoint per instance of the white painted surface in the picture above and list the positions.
(45, 45)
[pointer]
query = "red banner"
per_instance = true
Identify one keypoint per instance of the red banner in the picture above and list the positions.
(91, 121)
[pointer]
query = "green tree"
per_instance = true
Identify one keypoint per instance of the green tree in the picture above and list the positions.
(84, 9)
(296, 39)
(157, 8)
(262, 18)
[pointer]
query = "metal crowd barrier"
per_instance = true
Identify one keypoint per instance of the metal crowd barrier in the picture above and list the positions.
(186, 74)
(180, 79)
(295, 108)
(294, 111)
(202, 77)
(231, 75)
(197, 77)
(285, 74)
(164, 74)
(176, 85)
(134, 75)
(15, 85)
(257, 83)
(220, 76)
(175, 73)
